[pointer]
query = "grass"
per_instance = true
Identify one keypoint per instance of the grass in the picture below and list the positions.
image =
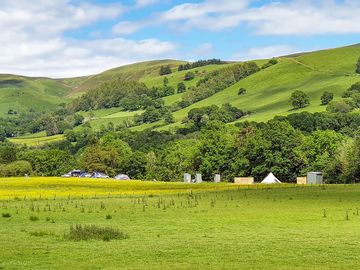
(258, 227)
(37, 139)
(23, 93)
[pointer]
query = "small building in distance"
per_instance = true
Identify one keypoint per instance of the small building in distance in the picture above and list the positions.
(301, 180)
(314, 178)
(244, 180)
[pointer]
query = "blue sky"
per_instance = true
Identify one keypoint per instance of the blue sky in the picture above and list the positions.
(67, 38)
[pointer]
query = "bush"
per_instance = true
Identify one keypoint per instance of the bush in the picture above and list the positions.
(242, 91)
(181, 88)
(164, 70)
(89, 232)
(6, 215)
(326, 98)
(358, 66)
(339, 107)
(34, 218)
(189, 76)
(17, 168)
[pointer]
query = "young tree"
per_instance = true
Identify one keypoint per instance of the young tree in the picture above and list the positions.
(299, 99)
(165, 81)
(242, 91)
(181, 88)
(189, 76)
(326, 97)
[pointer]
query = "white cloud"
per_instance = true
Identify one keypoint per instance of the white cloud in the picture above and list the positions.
(203, 50)
(264, 52)
(296, 17)
(32, 40)
(144, 3)
(127, 27)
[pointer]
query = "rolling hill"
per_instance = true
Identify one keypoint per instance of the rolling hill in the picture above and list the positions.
(268, 90)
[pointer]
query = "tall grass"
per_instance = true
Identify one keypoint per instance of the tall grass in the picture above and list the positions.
(89, 232)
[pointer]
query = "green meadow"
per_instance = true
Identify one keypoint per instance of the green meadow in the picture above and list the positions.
(204, 226)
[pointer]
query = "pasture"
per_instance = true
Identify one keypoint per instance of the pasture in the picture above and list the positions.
(178, 226)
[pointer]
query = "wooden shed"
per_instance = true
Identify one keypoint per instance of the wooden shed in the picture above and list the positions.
(244, 180)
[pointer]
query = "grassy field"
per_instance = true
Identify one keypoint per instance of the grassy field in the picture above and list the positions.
(37, 139)
(178, 226)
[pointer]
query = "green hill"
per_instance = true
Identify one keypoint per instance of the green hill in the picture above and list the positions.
(138, 71)
(268, 90)
(20, 93)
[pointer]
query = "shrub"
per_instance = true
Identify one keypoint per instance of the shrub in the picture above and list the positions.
(242, 91)
(108, 216)
(326, 98)
(89, 232)
(34, 218)
(40, 233)
(6, 215)
(189, 76)
(358, 66)
(164, 70)
(17, 168)
(181, 88)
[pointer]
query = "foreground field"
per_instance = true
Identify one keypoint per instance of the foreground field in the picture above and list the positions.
(177, 226)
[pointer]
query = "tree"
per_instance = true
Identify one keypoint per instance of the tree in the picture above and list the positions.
(165, 81)
(299, 99)
(326, 97)
(169, 118)
(358, 66)
(181, 88)
(151, 115)
(164, 70)
(242, 91)
(189, 76)
(271, 147)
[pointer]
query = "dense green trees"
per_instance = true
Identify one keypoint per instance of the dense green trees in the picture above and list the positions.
(358, 66)
(201, 63)
(114, 93)
(299, 99)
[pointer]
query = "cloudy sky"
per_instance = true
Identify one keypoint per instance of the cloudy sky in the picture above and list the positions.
(67, 38)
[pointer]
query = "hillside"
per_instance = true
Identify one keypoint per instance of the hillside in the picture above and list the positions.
(21, 93)
(268, 90)
(138, 71)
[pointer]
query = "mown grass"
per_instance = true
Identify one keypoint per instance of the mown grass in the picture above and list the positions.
(259, 227)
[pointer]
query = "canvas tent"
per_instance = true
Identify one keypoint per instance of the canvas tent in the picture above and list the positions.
(270, 179)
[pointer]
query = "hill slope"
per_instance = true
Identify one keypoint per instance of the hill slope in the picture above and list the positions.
(268, 91)
(20, 93)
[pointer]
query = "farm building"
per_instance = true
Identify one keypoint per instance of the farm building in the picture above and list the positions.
(244, 180)
(314, 178)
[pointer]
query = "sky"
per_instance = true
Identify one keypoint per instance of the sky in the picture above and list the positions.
(70, 38)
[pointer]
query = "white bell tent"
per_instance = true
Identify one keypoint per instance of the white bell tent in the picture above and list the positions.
(271, 179)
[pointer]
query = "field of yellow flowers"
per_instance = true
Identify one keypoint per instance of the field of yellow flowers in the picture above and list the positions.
(49, 187)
